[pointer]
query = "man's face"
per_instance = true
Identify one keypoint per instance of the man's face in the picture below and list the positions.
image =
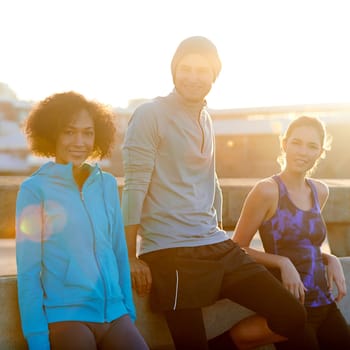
(193, 78)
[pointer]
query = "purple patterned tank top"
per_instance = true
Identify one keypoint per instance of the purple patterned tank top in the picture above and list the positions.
(298, 235)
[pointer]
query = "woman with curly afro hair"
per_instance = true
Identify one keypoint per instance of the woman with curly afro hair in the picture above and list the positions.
(74, 287)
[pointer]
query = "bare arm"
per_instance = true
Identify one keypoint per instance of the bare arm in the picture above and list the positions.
(131, 239)
(139, 149)
(141, 276)
(257, 207)
(260, 205)
(322, 192)
(335, 273)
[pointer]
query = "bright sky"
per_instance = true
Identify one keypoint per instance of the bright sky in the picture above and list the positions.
(274, 52)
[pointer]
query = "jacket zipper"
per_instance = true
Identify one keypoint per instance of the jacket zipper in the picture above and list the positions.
(94, 248)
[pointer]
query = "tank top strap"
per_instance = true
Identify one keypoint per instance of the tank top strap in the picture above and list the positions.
(314, 194)
(281, 186)
(284, 192)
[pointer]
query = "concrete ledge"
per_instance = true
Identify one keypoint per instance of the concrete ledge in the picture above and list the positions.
(218, 317)
(336, 213)
(11, 337)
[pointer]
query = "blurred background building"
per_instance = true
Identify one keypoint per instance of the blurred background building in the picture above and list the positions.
(247, 140)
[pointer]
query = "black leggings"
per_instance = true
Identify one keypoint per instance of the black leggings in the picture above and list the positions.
(245, 282)
(261, 293)
(326, 328)
(265, 295)
(120, 334)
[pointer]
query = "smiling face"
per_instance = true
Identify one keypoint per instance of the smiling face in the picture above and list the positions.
(193, 78)
(303, 148)
(75, 142)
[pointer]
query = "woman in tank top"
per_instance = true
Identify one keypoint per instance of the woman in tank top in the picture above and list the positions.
(286, 210)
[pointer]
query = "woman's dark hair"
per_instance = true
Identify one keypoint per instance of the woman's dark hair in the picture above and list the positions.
(318, 125)
(49, 117)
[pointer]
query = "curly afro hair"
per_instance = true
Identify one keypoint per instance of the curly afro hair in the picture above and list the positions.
(50, 116)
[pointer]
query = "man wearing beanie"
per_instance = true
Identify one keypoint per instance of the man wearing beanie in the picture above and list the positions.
(172, 209)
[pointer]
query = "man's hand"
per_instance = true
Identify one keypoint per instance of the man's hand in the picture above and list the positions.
(141, 276)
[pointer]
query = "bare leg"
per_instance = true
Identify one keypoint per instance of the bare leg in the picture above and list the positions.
(252, 332)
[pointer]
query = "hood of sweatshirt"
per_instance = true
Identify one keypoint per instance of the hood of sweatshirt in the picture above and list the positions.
(64, 172)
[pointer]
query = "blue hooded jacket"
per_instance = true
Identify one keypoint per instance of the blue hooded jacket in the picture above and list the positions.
(72, 259)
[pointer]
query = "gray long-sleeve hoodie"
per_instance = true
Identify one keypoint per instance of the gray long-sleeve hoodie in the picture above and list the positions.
(171, 188)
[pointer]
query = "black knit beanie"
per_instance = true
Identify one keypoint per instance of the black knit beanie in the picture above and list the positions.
(197, 45)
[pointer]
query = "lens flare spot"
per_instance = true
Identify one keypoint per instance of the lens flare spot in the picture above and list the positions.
(55, 217)
(30, 221)
(38, 221)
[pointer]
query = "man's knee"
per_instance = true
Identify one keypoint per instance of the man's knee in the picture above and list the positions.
(289, 322)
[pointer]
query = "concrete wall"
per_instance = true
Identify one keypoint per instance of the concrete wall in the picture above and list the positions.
(218, 317)
(336, 212)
